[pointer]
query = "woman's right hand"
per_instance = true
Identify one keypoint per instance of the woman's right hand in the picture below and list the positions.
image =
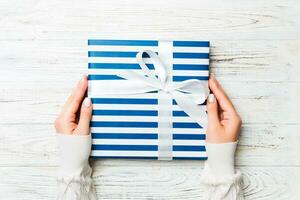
(222, 134)
(224, 123)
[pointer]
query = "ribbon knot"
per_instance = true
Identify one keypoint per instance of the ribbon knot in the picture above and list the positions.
(167, 89)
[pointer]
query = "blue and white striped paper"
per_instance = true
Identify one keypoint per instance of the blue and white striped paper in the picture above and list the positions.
(125, 126)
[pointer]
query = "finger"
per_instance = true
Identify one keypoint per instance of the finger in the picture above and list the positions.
(220, 95)
(214, 127)
(212, 110)
(71, 96)
(77, 96)
(83, 126)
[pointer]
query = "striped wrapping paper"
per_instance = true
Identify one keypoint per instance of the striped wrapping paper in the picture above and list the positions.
(125, 126)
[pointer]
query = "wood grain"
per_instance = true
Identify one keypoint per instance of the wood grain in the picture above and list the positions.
(189, 19)
(255, 55)
(148, 182)
(260, 145)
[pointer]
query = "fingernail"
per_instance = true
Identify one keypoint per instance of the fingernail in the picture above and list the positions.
(211, 98)
(87, 102)
(80, 81)
(212, 75)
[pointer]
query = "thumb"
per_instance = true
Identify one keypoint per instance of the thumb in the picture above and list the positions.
(83, 127)
(212, 110)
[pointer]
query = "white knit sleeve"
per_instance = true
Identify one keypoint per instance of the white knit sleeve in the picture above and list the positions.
(219, 179)
(74, 179)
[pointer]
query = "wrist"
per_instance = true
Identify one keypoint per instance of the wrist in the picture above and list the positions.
(74, 151)
(220, 158)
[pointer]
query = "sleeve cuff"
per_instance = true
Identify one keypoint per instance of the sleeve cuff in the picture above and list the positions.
(220, 161)
(74, 152)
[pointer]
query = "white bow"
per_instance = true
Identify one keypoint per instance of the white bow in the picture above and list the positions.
(188, 94)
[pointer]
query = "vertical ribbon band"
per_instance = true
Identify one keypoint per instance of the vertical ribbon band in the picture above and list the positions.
(165, 106)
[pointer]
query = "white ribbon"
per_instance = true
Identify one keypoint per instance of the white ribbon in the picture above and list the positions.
(188, 95)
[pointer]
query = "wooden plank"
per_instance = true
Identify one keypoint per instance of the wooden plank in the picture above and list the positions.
(160, 19)
(260, 145)
(148, 182)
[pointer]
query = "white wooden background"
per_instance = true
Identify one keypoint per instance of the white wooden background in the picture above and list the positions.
(255, 55)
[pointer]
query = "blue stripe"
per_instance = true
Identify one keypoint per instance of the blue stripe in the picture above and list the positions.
(125, 157)
(117, 66)
(124, 42)
(141, 124)
(124, 124)
(150, 157)
(125, 147)
(103, 77)
(113, 147)
(145, 55)
(115, 54)
(191, 43)
(191, 55)
(128, 101)
(150, 66)
(124, 136)
(183, 78)
(190, 67)
(111, 54)
(115, 77)
(186, 125)
(179, 114)
(145, 136)
(189, 136)
(174, 102)
(123, 101)
(126, 112)
(135, 113)
(188, 148)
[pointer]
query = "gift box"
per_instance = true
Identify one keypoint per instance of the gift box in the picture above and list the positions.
(149, 98)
